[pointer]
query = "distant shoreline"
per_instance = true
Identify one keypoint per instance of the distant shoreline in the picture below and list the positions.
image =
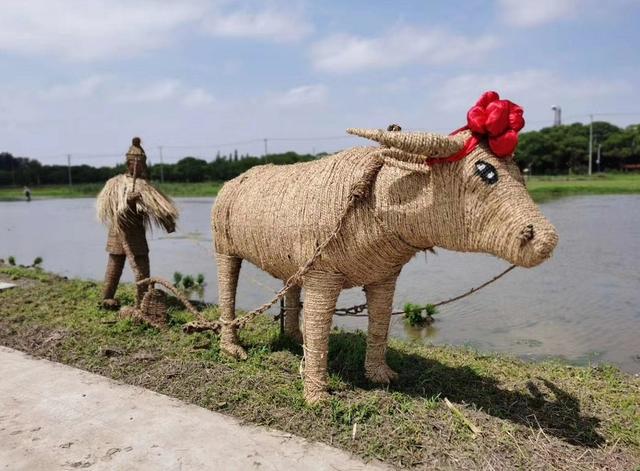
(91, 190)
(541, 188)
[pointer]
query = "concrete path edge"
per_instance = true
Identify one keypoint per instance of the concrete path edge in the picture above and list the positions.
(55, 417)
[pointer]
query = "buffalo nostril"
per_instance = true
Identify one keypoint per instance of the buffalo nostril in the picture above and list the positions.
(526, 234)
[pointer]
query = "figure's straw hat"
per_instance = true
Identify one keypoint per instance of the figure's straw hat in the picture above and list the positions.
(136, 152)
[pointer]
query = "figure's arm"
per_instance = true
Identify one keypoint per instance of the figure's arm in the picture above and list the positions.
(133, 198)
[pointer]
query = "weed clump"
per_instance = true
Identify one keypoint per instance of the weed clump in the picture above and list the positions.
(416, 315)
(190, 284)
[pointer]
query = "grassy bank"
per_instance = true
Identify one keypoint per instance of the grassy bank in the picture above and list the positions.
(546, 188)
(530, 416)
(541, 188)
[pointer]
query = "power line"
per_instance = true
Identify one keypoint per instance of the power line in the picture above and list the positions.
(616, 114)
(323, 138)
(214, 146)
(77, 156)
(107, 155)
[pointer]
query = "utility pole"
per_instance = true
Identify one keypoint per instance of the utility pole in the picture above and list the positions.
(161, 165)
(590, 142)
(557, 115)
(266, 152)
(598, 157)
(69, 169)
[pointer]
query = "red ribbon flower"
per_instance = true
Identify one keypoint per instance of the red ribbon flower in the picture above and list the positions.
(497, 120)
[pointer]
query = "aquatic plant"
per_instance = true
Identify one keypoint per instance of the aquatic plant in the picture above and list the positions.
(417, 315)
(188, 283)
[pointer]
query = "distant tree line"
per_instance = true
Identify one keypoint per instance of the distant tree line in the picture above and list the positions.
(563, 149)
(26, 171)
(553, 150)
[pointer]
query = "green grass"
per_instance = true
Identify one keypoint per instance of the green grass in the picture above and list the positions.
(546, 188)
(531, 415)
(84, 190)
(541, 188)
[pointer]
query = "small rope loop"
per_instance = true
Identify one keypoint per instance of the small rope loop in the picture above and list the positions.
(183, 299)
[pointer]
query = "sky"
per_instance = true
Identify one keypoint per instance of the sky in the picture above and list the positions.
(82, 77)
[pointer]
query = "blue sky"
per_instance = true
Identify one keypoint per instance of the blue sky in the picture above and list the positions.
(84, 76)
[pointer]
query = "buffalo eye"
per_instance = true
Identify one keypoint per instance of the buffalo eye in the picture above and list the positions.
(486, 171)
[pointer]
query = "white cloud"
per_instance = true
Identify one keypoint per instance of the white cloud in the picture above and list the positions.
(268, 24)
(83, 89)
(111, 89)
(303, 95)
(535, 90)
(535, 13)
(344, 53)
(197, 97)
(540, 12)
(91, 29)
(541, 84)
(161, 90)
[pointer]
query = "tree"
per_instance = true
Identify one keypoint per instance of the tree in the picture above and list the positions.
(553, 150)
(191, 169)
(622, 147)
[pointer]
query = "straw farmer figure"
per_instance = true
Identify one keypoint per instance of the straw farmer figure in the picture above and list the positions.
(128, 204)
(377, 207)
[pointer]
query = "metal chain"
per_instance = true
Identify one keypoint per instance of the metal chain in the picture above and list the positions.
(358, 309)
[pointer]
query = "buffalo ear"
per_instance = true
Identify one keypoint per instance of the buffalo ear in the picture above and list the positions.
(425, 144)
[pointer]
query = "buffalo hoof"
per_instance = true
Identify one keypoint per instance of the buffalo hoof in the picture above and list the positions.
(380, 374)
(110, 304)
(316, 397)
(234, 350)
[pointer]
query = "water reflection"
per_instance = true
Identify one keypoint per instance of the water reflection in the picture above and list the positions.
(420, 334)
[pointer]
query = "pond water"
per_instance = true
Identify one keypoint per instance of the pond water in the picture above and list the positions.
(582, 306)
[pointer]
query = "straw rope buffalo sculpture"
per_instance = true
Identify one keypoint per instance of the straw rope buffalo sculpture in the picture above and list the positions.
(384, 204)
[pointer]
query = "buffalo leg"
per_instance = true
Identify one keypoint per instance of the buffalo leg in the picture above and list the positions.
(228, 272)
(292, 313)
(379, 302)
(321, 294)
